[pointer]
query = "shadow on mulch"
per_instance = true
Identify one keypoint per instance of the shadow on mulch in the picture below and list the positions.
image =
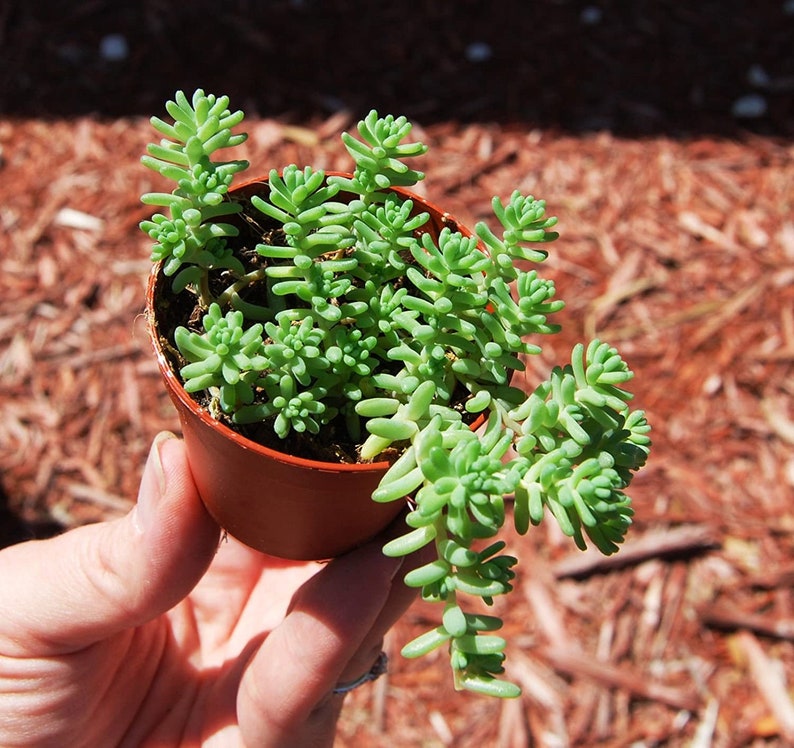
(641, 68)
(15, 530)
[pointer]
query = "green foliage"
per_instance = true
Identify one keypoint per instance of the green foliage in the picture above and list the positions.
(313, 225)
(576, 444)
(582, 444)
(524, 221)
(378, 156)
(225, 357)
(190, 232)
(404, 335)
(383, 232)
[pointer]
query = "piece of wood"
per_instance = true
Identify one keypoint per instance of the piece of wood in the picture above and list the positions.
(613, 676)
(725, 616)
(663, 543)
(770, 682)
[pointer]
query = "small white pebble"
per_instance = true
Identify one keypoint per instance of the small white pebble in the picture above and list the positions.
(757, 76)
(479, 52)
(712, 385)
(113, 47)
(591, 15)
(750, 106)
(77, 219)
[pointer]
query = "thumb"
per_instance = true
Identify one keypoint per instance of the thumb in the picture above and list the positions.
(63, 594)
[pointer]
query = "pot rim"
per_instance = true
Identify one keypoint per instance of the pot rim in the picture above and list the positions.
(177, 390)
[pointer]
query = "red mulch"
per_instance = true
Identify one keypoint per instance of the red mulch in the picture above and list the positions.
(678, 249)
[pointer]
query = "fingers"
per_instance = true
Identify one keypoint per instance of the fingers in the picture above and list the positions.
(63, 594)
(333, 633)
(399, 599)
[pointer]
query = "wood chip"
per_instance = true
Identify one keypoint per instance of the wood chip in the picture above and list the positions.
(655, 544)
(611, 676)
(769, 679)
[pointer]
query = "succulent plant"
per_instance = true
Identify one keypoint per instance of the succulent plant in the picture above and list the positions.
(405, 337)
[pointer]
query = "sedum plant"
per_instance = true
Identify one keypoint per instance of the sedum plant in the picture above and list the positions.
(354, 314)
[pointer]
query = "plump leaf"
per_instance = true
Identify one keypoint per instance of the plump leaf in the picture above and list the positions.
(410, 542)
(425, 643)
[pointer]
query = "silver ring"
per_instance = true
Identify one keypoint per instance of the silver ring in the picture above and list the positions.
(379, 668)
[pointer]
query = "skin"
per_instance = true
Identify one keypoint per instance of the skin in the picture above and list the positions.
(148, 631)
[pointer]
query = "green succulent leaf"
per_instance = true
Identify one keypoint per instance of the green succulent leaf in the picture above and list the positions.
(425, 643)
(454, 621)
(410, 542)
(489, 686)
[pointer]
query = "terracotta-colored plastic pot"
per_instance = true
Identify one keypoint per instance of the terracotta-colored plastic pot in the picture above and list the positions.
(282, 505)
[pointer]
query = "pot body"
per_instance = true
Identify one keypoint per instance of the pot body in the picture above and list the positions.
(278, 504)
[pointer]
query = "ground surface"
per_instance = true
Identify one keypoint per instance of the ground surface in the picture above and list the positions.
(677, 245)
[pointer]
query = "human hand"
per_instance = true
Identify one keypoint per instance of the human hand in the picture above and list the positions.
(144, 631)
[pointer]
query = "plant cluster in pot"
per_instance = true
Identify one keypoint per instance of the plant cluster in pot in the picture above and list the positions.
(353, 346)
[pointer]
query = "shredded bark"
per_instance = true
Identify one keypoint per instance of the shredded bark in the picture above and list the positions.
(679, 250)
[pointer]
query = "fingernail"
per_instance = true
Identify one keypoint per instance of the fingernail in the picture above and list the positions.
(157, 459)
(153, 473)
